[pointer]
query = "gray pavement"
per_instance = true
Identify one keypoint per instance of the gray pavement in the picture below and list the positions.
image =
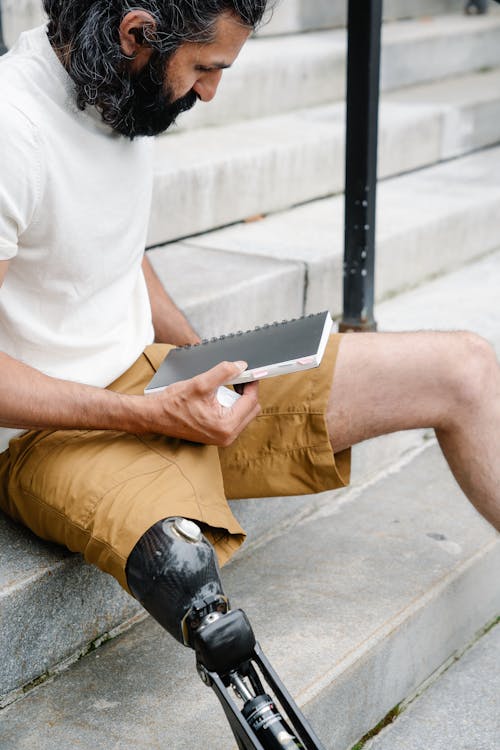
(461, 710)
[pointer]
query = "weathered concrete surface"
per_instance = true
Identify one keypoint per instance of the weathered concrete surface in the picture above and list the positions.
(419, 8)
(428, 222)
(471, 109)
(461, 710)
(262, 81)
(355, 605)
(300, 15)
(435, 47)
(213, 177)
(466, 299)
(19, 15)
(290, 16)
(51, 606)
(229, 173)
(222, 292)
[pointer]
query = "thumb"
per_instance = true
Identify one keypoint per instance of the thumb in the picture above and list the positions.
(220, 375)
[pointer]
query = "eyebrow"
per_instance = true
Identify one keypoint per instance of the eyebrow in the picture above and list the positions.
(214, 66)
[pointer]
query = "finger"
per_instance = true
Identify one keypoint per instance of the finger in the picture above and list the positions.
(250, 391)
(219, 375)
(247, 403)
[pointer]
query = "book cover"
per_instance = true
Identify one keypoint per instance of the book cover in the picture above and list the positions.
(269, 350)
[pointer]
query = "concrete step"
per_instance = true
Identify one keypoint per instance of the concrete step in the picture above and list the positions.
(52, 606)
(471, 109)
(304, 15)
(216, 176)
(356, 603)
(293, 16)
(435, 48)
(290, 16)
(263, 82)
(41, 626)
(460, 710)
(429, 222)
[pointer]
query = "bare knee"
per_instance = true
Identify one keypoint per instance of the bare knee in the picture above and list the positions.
(399, 381)
(475, 371)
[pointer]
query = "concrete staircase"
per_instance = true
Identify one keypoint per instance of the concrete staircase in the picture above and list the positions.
(461, 709)
(369, 604)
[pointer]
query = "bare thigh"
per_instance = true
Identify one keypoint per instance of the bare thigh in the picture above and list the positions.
(385, 382)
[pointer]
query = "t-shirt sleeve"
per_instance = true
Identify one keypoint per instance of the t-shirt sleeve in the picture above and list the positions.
(20, 177)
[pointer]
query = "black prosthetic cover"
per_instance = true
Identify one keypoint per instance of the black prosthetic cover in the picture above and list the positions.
(173, 572)
(170, 569)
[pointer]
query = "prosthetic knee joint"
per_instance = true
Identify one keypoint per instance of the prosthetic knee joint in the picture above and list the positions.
(173, 572)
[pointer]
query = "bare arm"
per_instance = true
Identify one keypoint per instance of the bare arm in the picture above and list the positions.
(170, 325)
(189, 409)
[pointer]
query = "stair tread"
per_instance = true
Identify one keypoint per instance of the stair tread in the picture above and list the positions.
(428, 222)
(264, 82)
(241, 169)
(460, 710)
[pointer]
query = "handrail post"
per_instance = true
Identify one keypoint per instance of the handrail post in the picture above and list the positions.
(476, 7)
(3, 47)
(363, 80)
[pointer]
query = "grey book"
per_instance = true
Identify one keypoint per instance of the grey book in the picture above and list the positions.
(269, 350)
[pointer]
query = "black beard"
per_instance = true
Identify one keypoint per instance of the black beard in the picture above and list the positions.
(145, 105)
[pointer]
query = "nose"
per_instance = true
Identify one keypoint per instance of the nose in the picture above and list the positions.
(207, 84)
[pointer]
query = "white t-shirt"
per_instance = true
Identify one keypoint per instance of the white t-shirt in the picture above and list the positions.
(74, 208)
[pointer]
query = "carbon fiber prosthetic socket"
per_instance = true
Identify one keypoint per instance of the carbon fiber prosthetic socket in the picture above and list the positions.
(173, 572)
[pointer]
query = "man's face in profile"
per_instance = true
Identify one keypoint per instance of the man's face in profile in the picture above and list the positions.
(162, 88)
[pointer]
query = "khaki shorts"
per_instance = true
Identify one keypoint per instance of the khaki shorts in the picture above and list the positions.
(98, 492)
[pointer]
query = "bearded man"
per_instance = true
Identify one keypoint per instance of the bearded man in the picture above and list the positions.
(88, 461)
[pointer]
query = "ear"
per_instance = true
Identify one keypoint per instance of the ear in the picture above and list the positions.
(131, 33)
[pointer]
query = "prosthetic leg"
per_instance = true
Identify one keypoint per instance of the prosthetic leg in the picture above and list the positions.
(173, 572)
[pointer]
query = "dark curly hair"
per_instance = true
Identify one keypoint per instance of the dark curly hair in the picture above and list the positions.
(85, 33)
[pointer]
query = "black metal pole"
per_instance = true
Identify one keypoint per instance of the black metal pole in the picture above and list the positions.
(476, 7)
(363, 74)
(3, 48)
